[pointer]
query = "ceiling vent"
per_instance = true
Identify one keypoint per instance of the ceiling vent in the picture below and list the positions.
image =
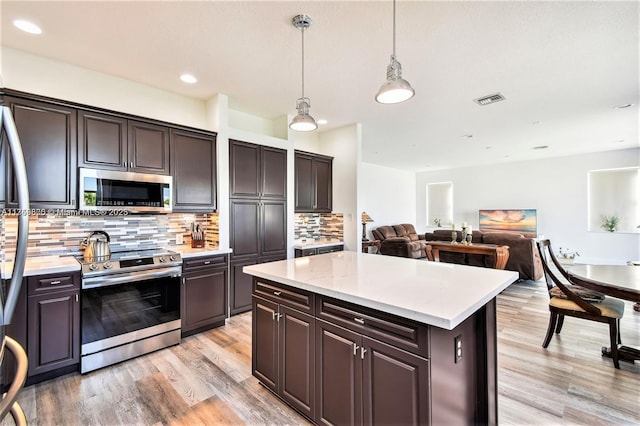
(490, 99)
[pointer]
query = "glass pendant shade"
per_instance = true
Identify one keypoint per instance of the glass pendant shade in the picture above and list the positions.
(396, 89)
(303, 122)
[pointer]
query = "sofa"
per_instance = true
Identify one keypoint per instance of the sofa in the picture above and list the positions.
(401, 240)
(524, 257)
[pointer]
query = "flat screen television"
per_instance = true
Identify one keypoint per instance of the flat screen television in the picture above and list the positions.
(518, 221)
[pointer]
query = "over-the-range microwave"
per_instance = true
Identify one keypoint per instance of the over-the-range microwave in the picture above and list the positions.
(134, 192)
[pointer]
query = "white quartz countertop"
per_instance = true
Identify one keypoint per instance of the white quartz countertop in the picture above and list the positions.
(326, 242)
(186, 251)
(42, 265)
(434, 293)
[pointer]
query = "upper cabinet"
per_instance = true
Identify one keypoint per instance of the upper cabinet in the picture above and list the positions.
(193, 167)
(257, 171)
(47, 133)
(113, 142)
(313, 183)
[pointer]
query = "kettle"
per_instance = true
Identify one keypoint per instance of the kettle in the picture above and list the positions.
(96, 249)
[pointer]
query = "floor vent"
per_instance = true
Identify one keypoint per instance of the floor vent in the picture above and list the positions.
(491, 99)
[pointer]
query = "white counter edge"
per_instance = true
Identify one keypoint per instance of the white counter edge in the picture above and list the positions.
(421, 317)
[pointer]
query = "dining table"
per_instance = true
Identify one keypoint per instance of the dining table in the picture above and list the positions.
(620, 281)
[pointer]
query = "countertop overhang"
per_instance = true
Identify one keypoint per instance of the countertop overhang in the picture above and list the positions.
(433, 293)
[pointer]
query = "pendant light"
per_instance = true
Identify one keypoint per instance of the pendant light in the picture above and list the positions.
(396, 89)
(302, 122)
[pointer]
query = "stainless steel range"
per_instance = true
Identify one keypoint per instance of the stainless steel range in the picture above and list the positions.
(130, 305)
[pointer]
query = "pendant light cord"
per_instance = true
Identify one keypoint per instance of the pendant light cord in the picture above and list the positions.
(302, 61)
(394, 28)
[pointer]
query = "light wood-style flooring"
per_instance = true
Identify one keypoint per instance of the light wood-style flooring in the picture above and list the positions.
(206, 380)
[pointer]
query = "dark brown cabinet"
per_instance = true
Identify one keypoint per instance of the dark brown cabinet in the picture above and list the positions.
(258, 213)
(363, 381)
(313, 183)
(193, 167)
(318, 250)
(283, 356)
(204, 293)
(367, 367)
(114, 142)
(53, 330)
(47, 133)
(257, 171)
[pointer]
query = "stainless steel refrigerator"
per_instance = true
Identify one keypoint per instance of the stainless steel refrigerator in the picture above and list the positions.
(10, 143)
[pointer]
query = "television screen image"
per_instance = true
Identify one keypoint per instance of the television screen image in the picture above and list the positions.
(522, 221)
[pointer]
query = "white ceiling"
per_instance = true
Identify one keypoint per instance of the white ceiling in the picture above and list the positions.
(563, 67)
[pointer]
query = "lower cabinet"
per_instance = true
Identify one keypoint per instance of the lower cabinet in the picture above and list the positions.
(53, 322)
(283, 354)
(361, 380)
(317, 250)
(337, 363)
(241, 284)
(204, 293)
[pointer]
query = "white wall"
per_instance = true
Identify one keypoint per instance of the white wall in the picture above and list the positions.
(344, 144)
(387, 195)
(556, 188)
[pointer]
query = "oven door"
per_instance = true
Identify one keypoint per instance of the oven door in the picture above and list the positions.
(117, 310)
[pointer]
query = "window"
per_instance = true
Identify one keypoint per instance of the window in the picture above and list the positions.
(440, 203)
(614, 193)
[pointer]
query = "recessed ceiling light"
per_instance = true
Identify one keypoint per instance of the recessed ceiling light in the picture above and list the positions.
(537, 123)
(27, 27)
(541, 147)
(623, 106)
(321, 121)
(467, 136)
(188, 78)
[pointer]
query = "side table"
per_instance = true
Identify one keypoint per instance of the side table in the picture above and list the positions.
(374, 243)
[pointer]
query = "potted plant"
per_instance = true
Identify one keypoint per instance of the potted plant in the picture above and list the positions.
(437, 222)
(566, 255)
(610, 223)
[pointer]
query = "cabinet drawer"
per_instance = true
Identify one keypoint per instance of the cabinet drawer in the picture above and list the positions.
(400, 332)
(39, 284)
(294, 298)
(196, 263)
(329, 249)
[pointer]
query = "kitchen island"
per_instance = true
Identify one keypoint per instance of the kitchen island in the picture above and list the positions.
(347, 338)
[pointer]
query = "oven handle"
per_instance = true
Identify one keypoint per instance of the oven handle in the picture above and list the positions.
(130, 277)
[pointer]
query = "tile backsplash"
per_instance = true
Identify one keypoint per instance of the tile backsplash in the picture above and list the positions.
(56, 235)
(315, 226)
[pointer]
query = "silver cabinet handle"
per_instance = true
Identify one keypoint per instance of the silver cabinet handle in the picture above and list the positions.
(207, 262)
(273, 315)
(131, 164)
(77, 297)
(277, 293)
(355, 349)
(359, 320)
(362, 352)
(278, 317)
(54, 282)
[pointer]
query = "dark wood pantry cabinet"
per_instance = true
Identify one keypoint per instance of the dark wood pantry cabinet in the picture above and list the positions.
(47, 133)
(193, 167)
(204, 293)
(109, 141)
(313, 183)
(258, 213)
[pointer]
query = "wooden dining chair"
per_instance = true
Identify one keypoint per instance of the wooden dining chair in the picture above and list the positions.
(567, 298)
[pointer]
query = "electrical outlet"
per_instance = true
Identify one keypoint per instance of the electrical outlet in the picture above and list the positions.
(179, 239)
(457, 343)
